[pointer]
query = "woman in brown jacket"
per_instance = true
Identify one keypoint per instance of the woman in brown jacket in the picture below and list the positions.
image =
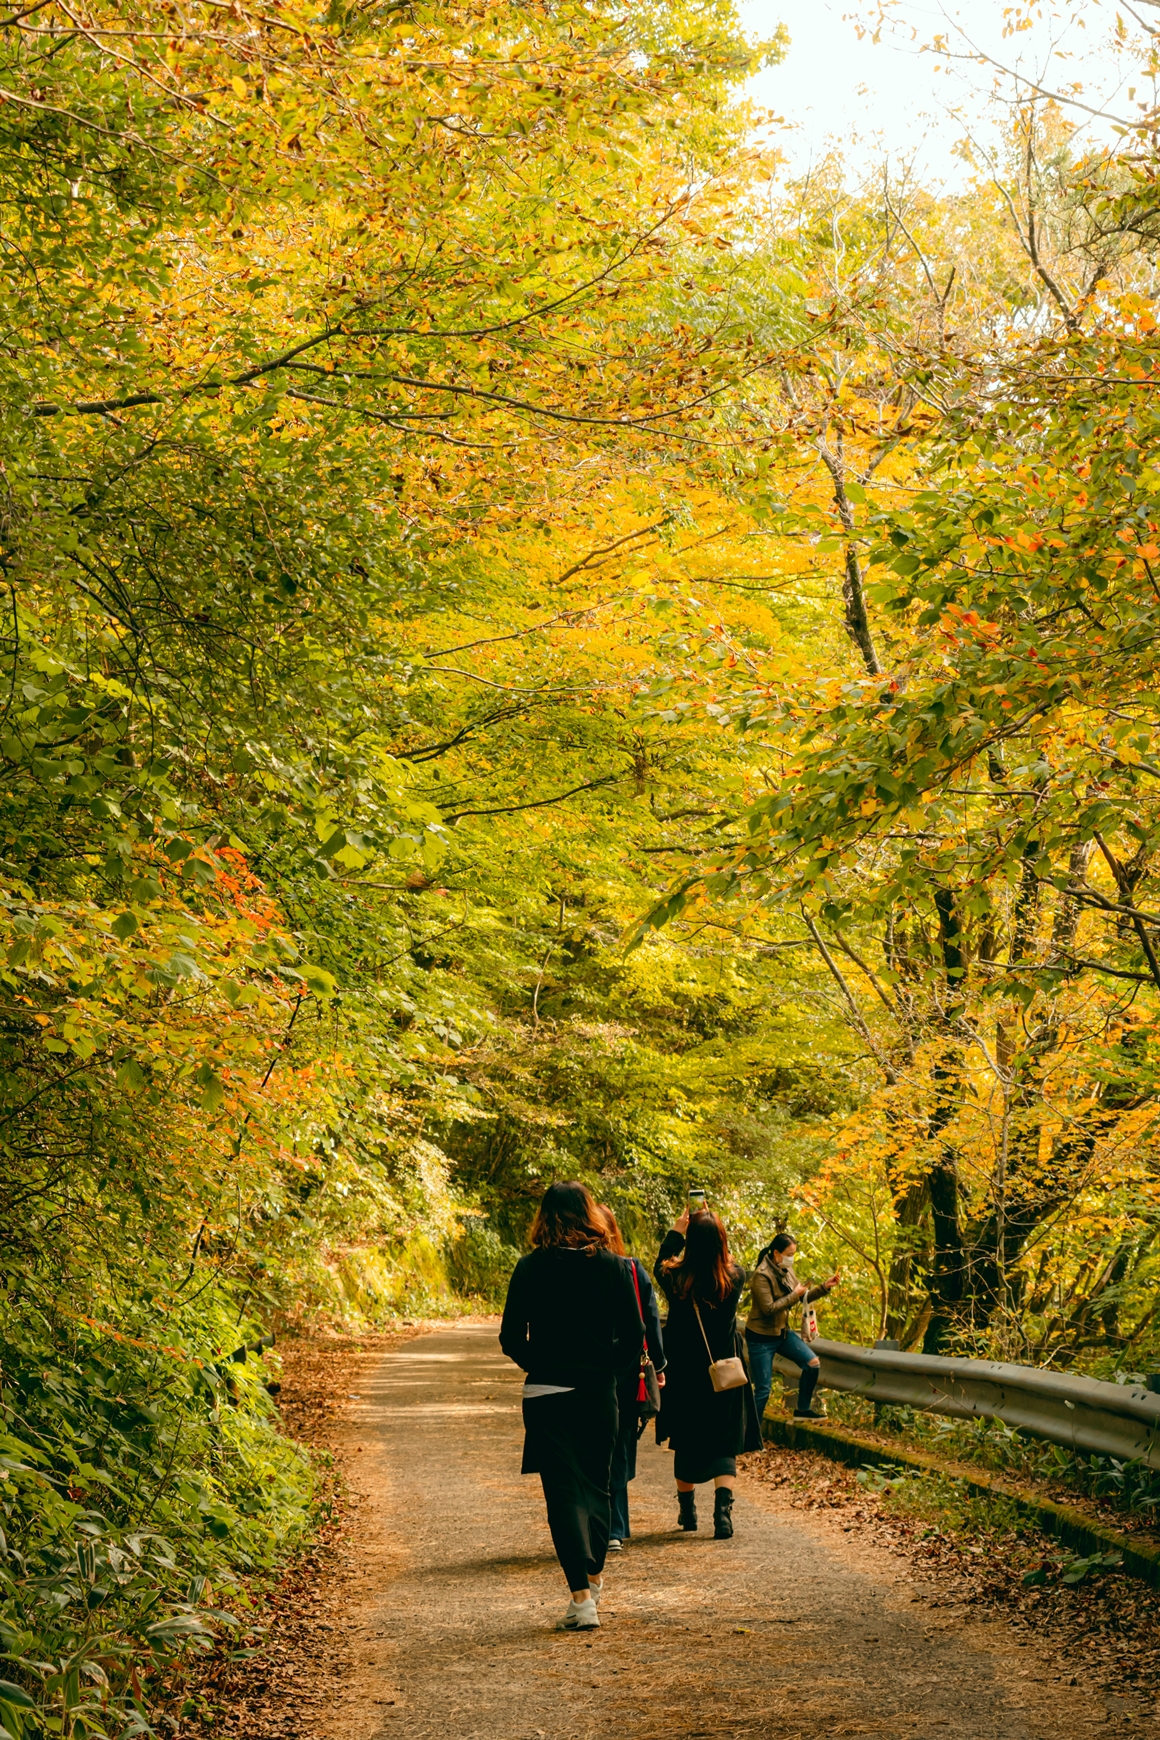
(774, 1291)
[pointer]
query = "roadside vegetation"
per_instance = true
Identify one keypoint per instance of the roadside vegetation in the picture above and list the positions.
(1127, 1493)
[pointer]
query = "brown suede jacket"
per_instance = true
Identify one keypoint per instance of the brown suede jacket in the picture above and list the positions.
(770, 1291)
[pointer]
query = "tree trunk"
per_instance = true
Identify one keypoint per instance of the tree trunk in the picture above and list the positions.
(948, 1270)
(909, 1213)
(853, 592)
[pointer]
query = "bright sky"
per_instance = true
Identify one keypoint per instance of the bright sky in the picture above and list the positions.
(887, 97)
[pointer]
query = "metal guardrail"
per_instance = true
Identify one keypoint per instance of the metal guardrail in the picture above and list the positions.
(1120, 1420)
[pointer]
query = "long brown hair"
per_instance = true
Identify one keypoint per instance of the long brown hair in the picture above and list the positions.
(568, 1216)
(704, 1268)
(615, 1236)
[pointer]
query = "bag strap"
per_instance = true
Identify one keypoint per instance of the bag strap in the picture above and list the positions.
(704, 1337)
(636, 1284)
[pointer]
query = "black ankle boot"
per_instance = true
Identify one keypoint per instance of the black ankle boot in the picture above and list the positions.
(723, 1514)
(688, 1511)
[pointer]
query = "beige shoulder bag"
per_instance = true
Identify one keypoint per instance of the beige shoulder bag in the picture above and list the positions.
(724, 1374)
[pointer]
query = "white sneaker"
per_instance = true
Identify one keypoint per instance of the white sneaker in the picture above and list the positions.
(581, 1616)
(615, 1544)
(595, 1591)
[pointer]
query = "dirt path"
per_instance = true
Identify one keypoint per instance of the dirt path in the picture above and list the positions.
(796, 1628)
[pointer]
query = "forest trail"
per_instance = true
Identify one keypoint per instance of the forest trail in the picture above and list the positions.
(794, 1628)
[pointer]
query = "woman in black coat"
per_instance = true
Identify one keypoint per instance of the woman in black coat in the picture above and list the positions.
(706, 1428)
(571, 1322)
(624, 1455)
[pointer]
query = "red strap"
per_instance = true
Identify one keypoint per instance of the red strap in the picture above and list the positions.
(642, 1390)
(642, 1387)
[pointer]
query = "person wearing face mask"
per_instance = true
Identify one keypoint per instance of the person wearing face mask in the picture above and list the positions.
(774, 1292)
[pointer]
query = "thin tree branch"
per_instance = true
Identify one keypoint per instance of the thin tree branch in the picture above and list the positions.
(539, 803)
(856, 1015)
(1137, 922)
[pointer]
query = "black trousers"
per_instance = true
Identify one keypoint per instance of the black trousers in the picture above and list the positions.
(569, 1440)
(624, 1456)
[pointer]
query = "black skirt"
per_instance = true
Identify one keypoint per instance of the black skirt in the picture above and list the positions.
(571, 1435)
(707, 1428)
(694, 1473)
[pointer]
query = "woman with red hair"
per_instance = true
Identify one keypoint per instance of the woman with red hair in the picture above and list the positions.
(571, 1321)
(706, 1428)
(624, 1455)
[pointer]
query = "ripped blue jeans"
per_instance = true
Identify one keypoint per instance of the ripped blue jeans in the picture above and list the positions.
(763, 1350)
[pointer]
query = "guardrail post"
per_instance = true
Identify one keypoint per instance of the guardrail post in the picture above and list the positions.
(887, 1345)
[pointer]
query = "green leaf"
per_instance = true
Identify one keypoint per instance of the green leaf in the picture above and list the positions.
(318, 980)
(213, 1091)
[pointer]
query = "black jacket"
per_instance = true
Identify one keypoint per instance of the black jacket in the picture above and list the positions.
(571, 1317)
(700, 1422)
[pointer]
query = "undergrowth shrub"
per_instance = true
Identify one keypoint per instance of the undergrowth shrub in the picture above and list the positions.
(941, 1500)
(1130, 1485)
(481, 1264)
(138, 1483)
